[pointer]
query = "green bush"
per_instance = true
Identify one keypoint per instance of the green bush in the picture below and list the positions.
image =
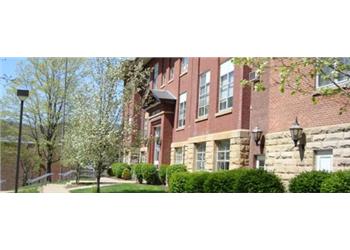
(162, 173)
(118, 168)
(259, 181)
(223, 181)
(138, 172)
(195, 182)
(178, 181)
(338, 182)
(150, 174)
(110, 172)
(126, 175)
(176, 168)
(308, 182)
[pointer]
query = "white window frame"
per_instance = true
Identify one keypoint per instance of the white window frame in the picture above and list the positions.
(171, 69)
(179, 157)
(204, 84)
(200, 156)
(182, 110)
(331, 85)
(183, 66)
(226, 152)
(258, 159)
(323, 155)
(226, 69)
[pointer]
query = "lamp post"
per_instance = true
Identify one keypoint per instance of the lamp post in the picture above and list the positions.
(22, 95)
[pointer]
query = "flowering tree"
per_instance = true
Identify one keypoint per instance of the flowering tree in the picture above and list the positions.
(298, 76)
(94, 130)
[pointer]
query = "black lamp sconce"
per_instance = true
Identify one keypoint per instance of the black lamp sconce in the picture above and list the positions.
(298, 135)
(257, 135)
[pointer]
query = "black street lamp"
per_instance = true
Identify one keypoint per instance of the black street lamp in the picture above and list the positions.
(296, 132)
(22, 95)
(257, 133)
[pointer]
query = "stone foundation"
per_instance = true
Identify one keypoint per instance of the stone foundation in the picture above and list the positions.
(284, 159)
(239, 149)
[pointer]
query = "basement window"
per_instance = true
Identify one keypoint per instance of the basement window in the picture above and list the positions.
(324, 160)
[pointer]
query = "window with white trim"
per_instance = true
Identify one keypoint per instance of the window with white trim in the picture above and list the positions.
(223, 155)
(164, 72)
(155, 75)
(226, 85)
(331, 75)
(184, 65)
(260, 161)
(203, 97)
(178, 155)
(200, 156)
(182, 110)
(324, 160)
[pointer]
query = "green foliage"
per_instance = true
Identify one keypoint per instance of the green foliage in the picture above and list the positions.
(338, 182)
(195, 182)
(123, 188)
(138, 172)
(259, 181)
(175, 169)
(223, 181)
(150, 174)
(162, 173)
(110, 172)
(118, 168)
(178, 182)
(126, 175)
(308, 182)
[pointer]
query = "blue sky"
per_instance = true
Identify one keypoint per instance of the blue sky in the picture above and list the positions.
(8, 67)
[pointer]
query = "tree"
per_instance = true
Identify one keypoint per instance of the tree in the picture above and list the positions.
(298, 76)
(94, 130)
(51, 82)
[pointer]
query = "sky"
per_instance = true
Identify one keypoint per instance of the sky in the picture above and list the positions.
(8, 67)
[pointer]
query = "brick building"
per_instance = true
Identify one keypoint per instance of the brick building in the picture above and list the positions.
(198, 114)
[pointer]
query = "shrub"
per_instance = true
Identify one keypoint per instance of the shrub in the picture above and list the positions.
(177, 182)
(175, 169)
(126, 175)
(338, 182)
(118, 168)
(162, 173)
(110, 172)
(150, 174)
(308, 182)
(194, 182)
(259, 181)
(138, 172)
(223, 181)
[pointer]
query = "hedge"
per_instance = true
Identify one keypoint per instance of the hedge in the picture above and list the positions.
(195, 182)
(126, 175)
(338, 182)
(138, 172)
(223, 181)
(118, 168)
(162, 173)
(150, 174)
(308, 182)
(177, 182)
(259, 181)
(174, 169)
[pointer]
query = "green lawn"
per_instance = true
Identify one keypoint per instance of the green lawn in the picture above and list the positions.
(124, 188)
(29, 189)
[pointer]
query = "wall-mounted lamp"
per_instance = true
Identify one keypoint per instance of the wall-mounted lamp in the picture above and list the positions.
(257, 133)
(296, 132)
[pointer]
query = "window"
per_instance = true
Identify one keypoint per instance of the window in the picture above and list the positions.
(156, 146)
(143, 157)
(182, 110)
(155, 75)
(226, 86)
(223, 155)
(260, 161)
(324, 160)
(200, 156)
(339, 79)
(203, 99)
(171, 70)
(164, 72)
(184, 65)
(178, 155)
(145, 128)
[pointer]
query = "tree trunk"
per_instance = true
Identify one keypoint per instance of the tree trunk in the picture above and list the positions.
(48, 170)
(98, 181)
(77, 174)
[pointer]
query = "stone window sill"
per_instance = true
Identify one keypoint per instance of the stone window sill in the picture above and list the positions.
(170, 81)
(183, 73)
(201, 119)
(180, 128)
(223, 112)
(162, 86)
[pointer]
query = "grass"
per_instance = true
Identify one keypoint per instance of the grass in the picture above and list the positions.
(29, 189)
(124, 188)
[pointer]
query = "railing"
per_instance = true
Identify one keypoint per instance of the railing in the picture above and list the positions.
(40, 179)
(67, 175)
